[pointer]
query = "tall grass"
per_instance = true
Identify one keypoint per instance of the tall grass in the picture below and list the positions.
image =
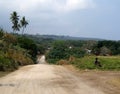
(107, 62)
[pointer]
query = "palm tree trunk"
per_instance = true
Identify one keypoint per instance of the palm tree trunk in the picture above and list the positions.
(23, 31)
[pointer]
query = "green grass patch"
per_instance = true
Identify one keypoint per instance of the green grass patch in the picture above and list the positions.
(107, 62)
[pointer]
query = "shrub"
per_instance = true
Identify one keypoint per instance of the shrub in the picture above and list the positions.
(7, 64)
(19, 55)
(76, 52)
(52, 61)
(61, 50)
(29, 45)
(12, 55)
(62, 62)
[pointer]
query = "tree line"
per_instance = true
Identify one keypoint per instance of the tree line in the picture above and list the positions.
(106, 47)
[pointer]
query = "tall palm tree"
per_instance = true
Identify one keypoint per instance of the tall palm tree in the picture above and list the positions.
(23, 23)
(15, 21)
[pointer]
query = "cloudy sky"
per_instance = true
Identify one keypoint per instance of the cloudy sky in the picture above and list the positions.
(80, 18)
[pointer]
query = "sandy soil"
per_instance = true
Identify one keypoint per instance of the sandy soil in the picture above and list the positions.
(106, 81)
(45, 79)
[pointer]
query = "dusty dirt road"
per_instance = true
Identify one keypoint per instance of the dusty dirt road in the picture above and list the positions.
(106, 81)
(44, 79)
(41, 60)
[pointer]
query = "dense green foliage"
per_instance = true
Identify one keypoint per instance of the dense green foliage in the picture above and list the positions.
(62, 50)
(11, 54)
(57, 52)
(107, 62)
(76, 52)
(104, 47)
(6, 63)
(29, 45)
(16, 50)
(107, 48)
(43, 44)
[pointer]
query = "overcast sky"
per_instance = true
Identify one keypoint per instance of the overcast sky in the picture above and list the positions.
(80, 18)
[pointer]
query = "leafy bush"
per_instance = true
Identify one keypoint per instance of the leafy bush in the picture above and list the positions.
(19, 56)
(61, 50)
(6, 63)
(62, 62)
(76, 52)
(52, 61)
(29, 45)
(12, 55)
(41, 49)
(9, 39)
(106, 47)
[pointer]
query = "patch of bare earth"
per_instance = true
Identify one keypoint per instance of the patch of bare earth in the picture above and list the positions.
(107, 81)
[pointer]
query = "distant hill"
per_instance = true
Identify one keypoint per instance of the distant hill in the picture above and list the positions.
(56, 37)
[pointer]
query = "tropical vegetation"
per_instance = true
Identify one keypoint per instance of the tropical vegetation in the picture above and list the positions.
(16, 24)
(11, 54)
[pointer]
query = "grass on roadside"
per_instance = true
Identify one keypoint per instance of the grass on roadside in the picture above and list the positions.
(107, 62)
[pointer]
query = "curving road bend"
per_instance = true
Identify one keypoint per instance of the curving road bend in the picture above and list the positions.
(44, 79)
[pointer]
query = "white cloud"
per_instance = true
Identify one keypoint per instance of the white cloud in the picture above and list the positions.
(48, 5)
(74, 5)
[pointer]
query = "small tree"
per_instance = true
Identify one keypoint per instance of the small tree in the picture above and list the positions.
(105, 51)
(15, 21)
(23, 23)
